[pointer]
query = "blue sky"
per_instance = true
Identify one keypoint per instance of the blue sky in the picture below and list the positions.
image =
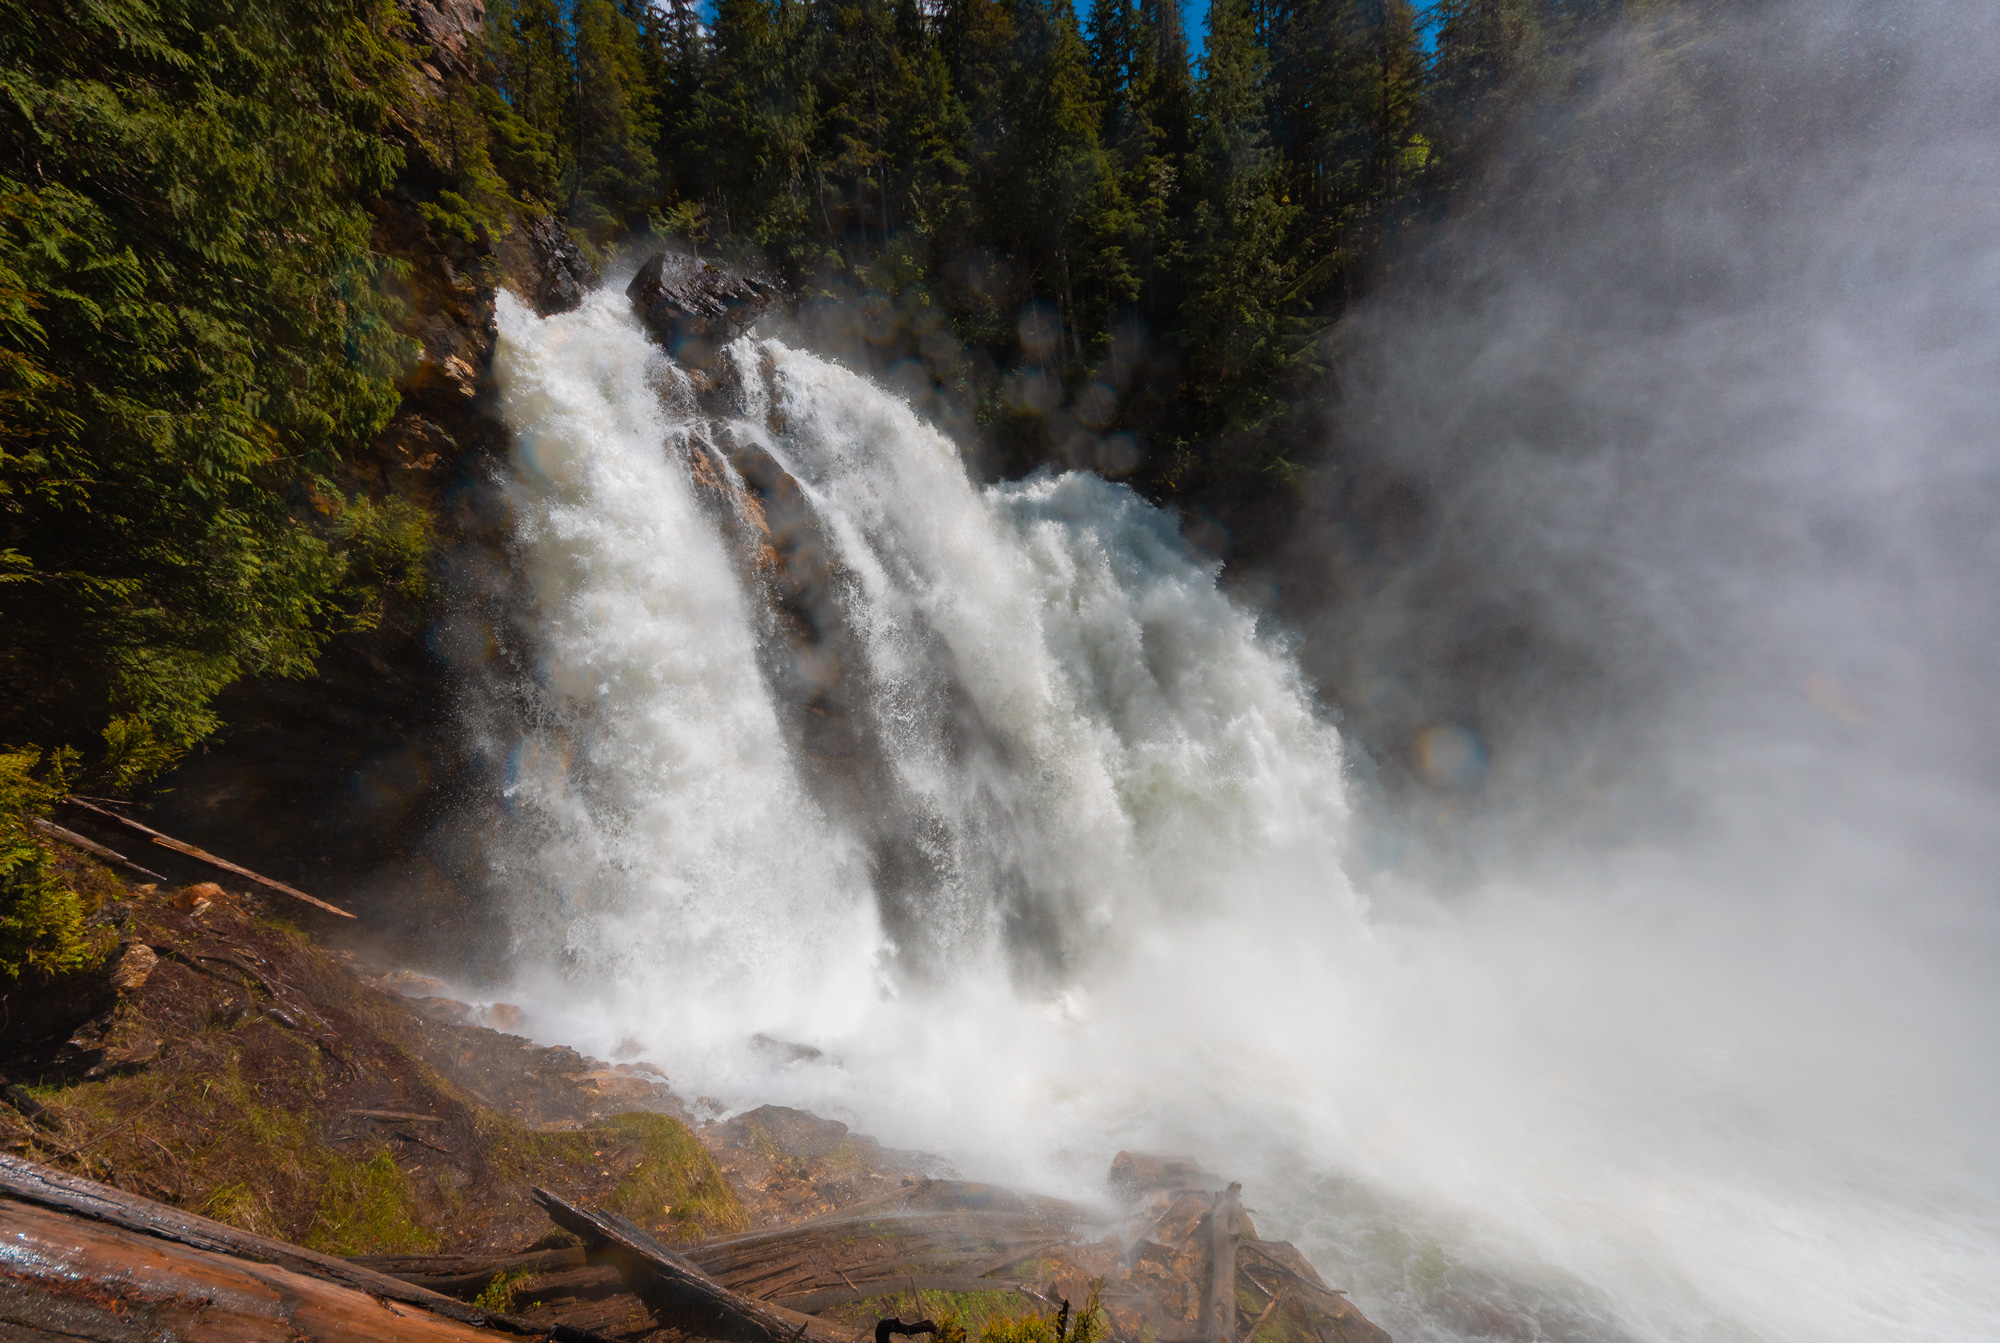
(1196, 15)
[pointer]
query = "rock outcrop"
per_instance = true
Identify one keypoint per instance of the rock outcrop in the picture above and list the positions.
(695, 307)
(448, 28)
(563, 275)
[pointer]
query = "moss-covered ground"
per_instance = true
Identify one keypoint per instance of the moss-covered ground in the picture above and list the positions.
(254, 1079)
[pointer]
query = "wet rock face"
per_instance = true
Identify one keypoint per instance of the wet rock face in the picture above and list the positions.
(696, 307)
(448, 28)
(563, 275)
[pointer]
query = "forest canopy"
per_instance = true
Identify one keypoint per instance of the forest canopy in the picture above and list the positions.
(1105, 251)
(1085, 230)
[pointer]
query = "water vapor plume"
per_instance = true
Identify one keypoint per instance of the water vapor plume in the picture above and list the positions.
(1685, 424)
(1647, 992)
(1655, 584)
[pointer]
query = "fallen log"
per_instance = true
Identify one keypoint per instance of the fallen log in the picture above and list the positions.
(25, 1182)
(678, 1293)
(93, 848)
(826, 1298)
(62, 1277)
(467, 1275)
(203, 855)
(924, 1232)
(1221, 1304)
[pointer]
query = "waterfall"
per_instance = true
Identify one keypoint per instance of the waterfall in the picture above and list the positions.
(1024, 844)
(1009, 726)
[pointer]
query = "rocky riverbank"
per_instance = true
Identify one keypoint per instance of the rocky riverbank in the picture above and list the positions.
(224, 1064)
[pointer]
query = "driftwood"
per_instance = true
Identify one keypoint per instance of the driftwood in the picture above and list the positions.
(25, 1182)
(970, 1241)
(468, 1274)
(828, 1297)
(92, 847)
(71, 1279)
(203, 855)
(1271, 1309)
(678, 1293)
(1221, 1306)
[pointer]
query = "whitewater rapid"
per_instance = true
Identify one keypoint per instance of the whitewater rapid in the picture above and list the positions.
(1131, 917)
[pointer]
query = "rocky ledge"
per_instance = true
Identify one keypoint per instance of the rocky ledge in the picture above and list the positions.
(695, 307)
(230, 1131)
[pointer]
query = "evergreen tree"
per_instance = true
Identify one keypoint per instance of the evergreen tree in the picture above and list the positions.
(1489, 57)
(927, 132)
(1112, 55)
(978, 41)
(756, 125)
(1241, 275)
(1060, 211)
(617, 176)
(531, 107)
(677, 53)
(860, 80)
(190, 337)
(1158, 136)
(1347, 86)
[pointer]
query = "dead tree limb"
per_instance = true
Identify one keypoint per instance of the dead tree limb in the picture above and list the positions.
(94, 849)
(45, 1187)
(679, 1294)
(1221, 1305)
(203, 855)
(1269, 1310)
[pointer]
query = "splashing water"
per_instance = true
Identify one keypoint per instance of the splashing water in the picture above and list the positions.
(992, 798)
(1091, 893)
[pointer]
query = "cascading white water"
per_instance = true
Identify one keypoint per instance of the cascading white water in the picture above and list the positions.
(1133, 926)
(657, 823)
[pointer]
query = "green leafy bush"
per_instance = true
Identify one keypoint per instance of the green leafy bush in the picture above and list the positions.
(43, 922)
(1088, 1326)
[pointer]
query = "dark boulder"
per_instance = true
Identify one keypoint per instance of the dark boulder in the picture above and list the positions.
(562, 275)
(695, 307)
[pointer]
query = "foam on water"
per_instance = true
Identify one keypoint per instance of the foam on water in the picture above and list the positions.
(1584, 1108)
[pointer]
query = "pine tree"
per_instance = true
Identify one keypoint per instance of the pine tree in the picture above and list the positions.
(859, 85)
(1060, 211)
(1489, 57)
(1158, 137)
(191, 336)
(531, 107)
(676, 55)
(1241, 276)
(1347, 84)
(756, 125)
(1112, 56)
(617, 176)
(928, 131)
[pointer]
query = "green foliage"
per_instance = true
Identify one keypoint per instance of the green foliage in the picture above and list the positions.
(190, 337)
(617, 176)
(43, 922)
(384, 543)
(134, 754)
(498, 1295)
(1089, 1325)
(675, 1184)
(367, 1208)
